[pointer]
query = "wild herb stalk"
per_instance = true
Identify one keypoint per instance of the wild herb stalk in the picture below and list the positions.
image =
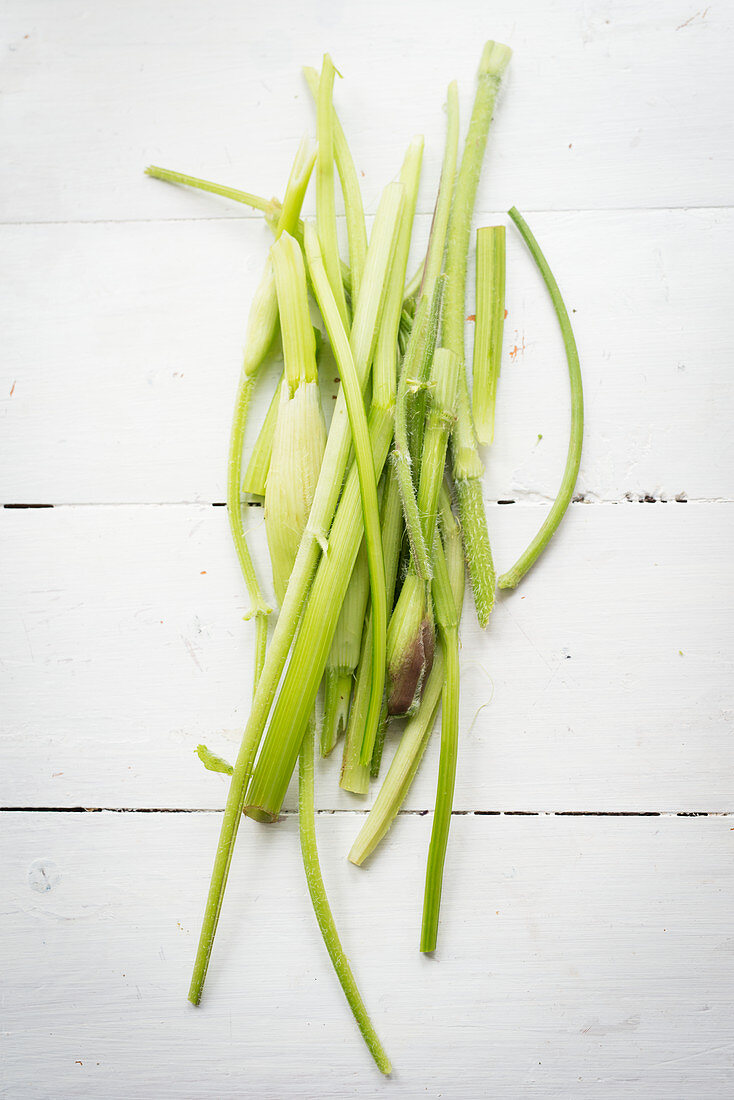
(527, 559)
(467, 465)
(490, 323)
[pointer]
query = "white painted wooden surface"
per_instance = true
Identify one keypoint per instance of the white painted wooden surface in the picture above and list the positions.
(609, 671)
(580, 955)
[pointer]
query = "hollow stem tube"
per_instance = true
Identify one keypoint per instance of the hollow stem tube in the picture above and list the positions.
(321, 906)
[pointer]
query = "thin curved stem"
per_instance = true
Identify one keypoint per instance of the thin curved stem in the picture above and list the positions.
(529, 556)
(321, 906)
(262, 324)
(353, 206)
(259, 610)
(447, 616)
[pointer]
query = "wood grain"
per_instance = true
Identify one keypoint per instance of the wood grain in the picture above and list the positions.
(123, 345)
(579, 957)
(609, 103)
(607, 673)
(583, 954)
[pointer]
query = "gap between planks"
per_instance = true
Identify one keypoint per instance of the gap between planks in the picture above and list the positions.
(363, 812)
(256, 215)
(580, 498)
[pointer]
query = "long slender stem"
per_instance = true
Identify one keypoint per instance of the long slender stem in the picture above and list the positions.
(259, 609)
(294, 703)
(325, 500)
(410, 636)
(360, 743)
(448, 624)
(325, 204)
(419, 351)
(321, 906)
(444, 794)
(261, 326)
(467, 465)
(344, 654)
(573, 460)
(365, 465)
(300, 433)
(256, 475)
(416, 734)
(417, 362)
(353, 207)
(403, 766)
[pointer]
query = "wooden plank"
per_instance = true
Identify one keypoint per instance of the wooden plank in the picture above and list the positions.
(122, 349)
(608, 671)
(578, 957)
(608, 104)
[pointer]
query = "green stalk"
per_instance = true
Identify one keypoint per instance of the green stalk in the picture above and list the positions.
(298, 446)
(490, 323)
(410, 638)
(353, 208)
(416, 734)
(322, 908)
(448, 624)
(420, 351)
(364, 723)
(573, 460)
(379, 742)
(269, 207)
(467, 465)
(272, 208)
(259, 609)
(403, 766)
(384, 397)
(327, 493)
(358, 746)
(256, 474)
(300, 433)
(416, 367)
(308, 659)
(325, 204)
(364, 459)
(337, 698)
(355, 776)
(344, 654)
(441, 416)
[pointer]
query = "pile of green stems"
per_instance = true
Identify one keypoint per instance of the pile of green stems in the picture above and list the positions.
(366, 549)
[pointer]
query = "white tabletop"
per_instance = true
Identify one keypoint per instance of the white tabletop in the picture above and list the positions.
(586, 944)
